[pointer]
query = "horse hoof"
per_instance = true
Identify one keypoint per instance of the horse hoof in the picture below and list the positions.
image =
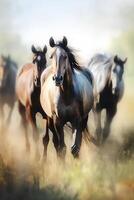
(75, 151)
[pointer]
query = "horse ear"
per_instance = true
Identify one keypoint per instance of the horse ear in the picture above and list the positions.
(125, 61)
(33, 49)
(45, 49)
(51, 42)
(115, 58)
(64, 41)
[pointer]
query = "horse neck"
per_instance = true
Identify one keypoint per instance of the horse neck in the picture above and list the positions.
(68, 83)
(42, 67)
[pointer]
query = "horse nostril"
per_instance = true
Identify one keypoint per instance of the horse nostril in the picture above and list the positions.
(61, 78)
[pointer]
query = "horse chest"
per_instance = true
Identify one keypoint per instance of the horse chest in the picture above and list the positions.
(35, 96)
(67, 111)
(107, 99)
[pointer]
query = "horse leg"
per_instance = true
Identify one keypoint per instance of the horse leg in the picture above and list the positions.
(78, 138)
(98, 131)
(77, 144)
(110, 113)
(10, 114)
(45, 140)
(31, 116)
(22, 112)
(86, 133)
(1, 117)
(58, 126)
(55, 135)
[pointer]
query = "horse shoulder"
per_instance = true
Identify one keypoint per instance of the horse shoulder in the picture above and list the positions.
(47, 97)
(45, 74)
(24, 84)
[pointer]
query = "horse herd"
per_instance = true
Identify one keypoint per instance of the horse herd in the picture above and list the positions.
(63, 92)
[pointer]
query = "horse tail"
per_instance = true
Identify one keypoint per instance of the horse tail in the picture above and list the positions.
(88, 138)
(86, 135)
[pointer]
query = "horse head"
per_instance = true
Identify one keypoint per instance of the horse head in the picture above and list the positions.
(117, 74)
(39, 60)
(60, 60)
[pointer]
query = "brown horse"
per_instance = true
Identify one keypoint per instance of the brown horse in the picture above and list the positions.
(66, 94)
(28, 92)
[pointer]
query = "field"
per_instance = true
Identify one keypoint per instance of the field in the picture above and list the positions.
(100, 173)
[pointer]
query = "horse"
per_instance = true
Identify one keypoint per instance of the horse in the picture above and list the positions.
(66, 94)
(8, 71)
(28, 93)
(107, 72)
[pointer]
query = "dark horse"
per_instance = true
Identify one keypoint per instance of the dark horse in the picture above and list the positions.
(8, 70)
(28, 92)
(66, 94)
(109, 86)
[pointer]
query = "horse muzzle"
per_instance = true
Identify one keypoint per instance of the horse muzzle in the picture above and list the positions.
(58, 80)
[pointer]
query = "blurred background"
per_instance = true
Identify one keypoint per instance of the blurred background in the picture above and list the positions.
(91, 26)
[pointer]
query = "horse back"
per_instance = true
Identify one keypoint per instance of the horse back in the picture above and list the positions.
(25, 68)
(88, 75)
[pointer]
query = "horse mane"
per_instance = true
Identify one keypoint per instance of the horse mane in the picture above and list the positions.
(100, 58)
(72, 59)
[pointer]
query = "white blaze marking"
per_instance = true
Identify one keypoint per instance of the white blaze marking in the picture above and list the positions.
(118, 69)
(39, 58)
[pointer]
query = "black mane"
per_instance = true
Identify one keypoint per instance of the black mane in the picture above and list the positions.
(73, 62)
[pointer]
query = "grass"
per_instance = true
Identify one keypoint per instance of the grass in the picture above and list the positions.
(99, 176)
